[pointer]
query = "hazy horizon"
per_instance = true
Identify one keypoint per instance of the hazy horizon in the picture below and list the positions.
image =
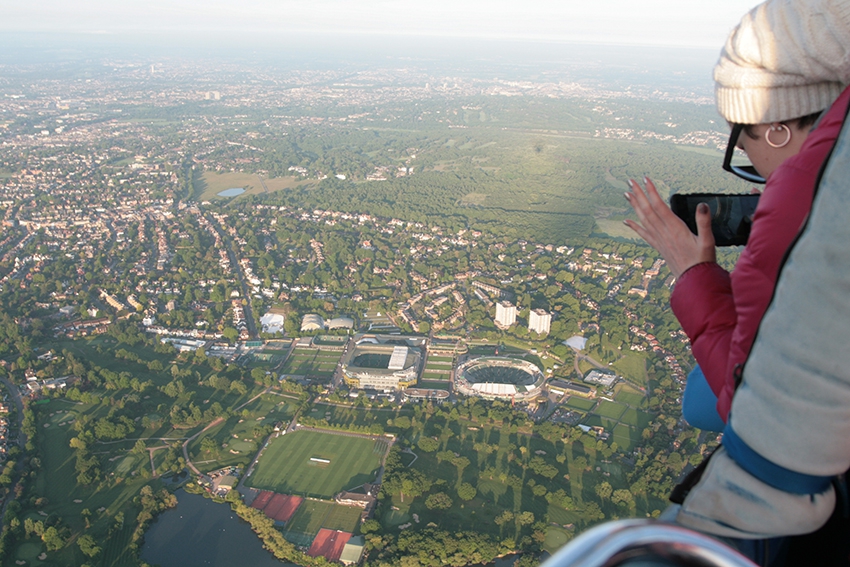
(612, 22)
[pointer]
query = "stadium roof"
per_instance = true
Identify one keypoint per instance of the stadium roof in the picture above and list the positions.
(341, 323)
(397, 358)
(497, 389)
(312, 322)
(272, 322)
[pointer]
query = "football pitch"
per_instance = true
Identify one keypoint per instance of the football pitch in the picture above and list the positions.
(295, 463)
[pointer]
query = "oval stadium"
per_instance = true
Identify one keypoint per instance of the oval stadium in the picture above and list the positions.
(499, 378)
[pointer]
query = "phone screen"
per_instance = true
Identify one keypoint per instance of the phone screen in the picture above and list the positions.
(731, 215)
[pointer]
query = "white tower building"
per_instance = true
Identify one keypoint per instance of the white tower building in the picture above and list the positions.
(539, 321)
(505, 314)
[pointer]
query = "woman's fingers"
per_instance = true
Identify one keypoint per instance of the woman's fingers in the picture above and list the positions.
(652, 194)
(666, 232)
(653, 213)
(705, 238)
(644, 209)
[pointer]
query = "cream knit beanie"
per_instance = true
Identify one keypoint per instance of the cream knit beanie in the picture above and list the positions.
(786, 59)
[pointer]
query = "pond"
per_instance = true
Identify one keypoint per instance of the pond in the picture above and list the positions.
(200, 532)
(231, 192)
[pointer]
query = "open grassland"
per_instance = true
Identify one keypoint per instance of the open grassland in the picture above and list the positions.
(210, 184)
(285, 465)
(632, 367)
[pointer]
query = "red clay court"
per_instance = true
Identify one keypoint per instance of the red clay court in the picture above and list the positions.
(278, 507)
(262, 499)
(329, 544)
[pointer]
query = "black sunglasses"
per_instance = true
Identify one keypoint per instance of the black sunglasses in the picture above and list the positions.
(746, 172)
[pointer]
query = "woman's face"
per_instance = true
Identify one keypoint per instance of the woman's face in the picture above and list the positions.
(762, 155)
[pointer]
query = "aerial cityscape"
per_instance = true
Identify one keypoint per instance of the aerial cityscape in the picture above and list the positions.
(384, 315)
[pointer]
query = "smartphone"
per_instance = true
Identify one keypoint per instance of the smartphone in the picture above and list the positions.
(731, 215)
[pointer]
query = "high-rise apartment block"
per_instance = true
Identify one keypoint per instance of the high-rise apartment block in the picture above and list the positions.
(539, 321)
(505, 314)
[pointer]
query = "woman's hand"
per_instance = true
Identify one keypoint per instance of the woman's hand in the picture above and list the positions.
(667, 233)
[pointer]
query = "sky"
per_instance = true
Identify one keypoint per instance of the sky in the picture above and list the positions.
(679, 23)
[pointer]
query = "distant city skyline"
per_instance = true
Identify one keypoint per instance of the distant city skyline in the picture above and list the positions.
(616, 22)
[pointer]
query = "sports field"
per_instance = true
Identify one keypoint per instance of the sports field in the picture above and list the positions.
(311, 362)
(286, 466)
(610, 410)
(315, 515)
(583, 404)
(436, 376)
(329, 544)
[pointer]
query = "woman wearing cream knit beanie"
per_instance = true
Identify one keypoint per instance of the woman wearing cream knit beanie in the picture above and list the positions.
(786, 60)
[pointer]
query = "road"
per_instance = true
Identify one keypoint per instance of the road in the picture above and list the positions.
(263, 183)
(228, 244)
(15, 394)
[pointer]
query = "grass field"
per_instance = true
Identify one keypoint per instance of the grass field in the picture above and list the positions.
(211, 184)
(286, 467)
(555, 539)
(344, 518)
(311, 362)
(314, 515)
(436, 384)
(633, 367)
(610, 410)
(629, 395)
(310, 516)
(435, 376)
(635, 418)
(625, 436)
(580, 403)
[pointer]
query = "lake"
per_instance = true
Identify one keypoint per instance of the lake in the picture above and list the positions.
(231, 192)
(200, 532)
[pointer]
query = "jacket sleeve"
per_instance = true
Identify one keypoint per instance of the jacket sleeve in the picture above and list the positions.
(703, 303)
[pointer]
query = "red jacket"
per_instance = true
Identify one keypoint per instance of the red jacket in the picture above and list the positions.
(721, 312)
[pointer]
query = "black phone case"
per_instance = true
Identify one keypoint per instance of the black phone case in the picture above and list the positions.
(731, 215)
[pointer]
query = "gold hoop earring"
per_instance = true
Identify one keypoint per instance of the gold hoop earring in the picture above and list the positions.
(777, 128)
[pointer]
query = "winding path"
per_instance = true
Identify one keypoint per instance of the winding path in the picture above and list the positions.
(210, 425)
